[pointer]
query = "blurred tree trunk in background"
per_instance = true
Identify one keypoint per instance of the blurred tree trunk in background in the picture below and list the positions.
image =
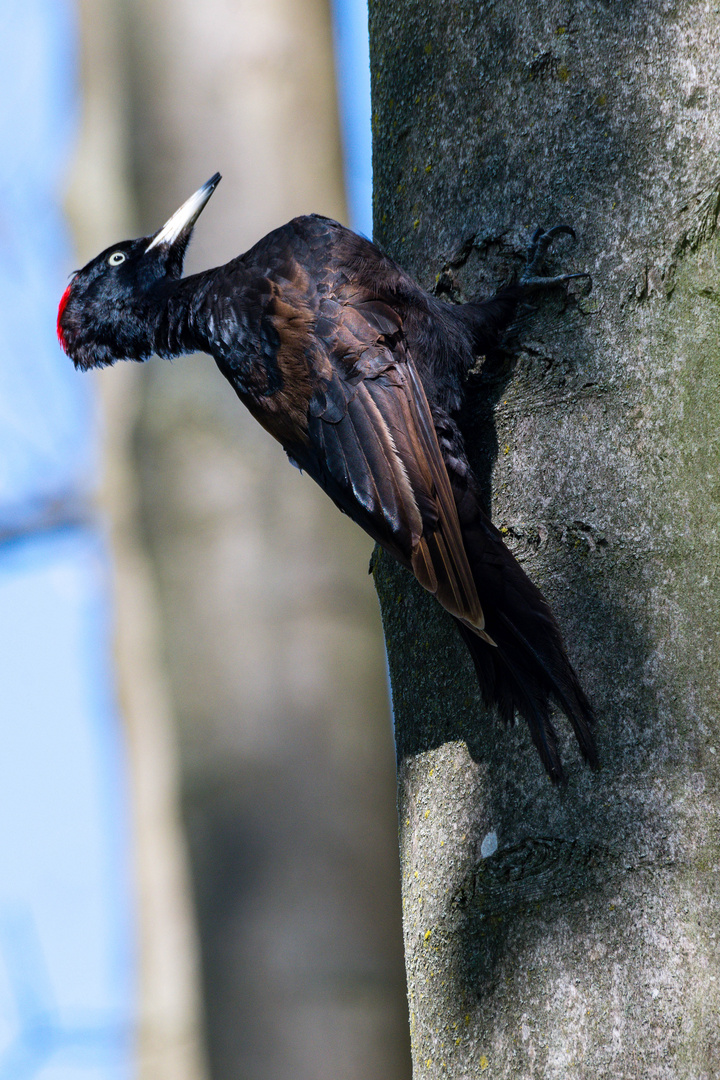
(269, 620)
(100, 206)
(568, 933)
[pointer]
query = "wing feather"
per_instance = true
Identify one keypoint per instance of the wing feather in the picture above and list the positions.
(378, 456)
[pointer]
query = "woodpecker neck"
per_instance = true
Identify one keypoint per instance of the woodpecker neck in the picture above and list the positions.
(218, 313)
(181, 325)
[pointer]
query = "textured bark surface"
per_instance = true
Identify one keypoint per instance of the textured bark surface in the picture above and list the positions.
(568, 933)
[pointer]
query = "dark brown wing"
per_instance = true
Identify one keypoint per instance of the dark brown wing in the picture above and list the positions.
(325, 369)
(371, 444)
(331, 347)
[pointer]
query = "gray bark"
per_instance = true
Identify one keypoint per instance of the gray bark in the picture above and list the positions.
(585, 944)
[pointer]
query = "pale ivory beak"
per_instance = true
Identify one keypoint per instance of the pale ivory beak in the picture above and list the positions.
(183, 219)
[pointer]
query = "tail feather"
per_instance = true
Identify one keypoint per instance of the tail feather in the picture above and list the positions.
(514, 677)
(507, 687)
(566, 690)
(529, 666)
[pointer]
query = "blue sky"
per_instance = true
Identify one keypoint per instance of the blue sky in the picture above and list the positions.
(67, 940)
(67, 933)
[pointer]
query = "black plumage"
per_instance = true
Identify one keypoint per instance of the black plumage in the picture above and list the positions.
(359, 374)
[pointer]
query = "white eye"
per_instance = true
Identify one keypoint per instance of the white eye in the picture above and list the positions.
(116, 258)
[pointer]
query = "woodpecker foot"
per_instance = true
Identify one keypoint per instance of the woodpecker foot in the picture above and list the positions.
(539, 244)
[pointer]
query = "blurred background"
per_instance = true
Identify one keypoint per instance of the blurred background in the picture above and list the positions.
(198, 859)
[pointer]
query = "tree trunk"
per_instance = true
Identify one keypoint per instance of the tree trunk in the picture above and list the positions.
(567, 933)
(268, 617)
(168, 1035)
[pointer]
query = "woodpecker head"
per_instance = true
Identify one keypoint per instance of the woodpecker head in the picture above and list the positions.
(108, 310)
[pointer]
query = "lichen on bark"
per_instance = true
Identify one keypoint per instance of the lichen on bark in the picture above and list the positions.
(584, 944)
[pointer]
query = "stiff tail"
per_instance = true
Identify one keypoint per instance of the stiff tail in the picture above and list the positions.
(517, 677)
(528, 668)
